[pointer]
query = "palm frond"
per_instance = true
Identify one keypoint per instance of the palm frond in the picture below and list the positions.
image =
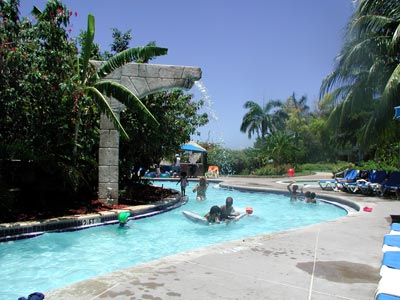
(87, 49)
(378, 7)
(369, 24)
(396, 37)
(127, 56)
(125, 96)
(392, 91)
(370, 132)
(378, 67)
(335, 81)
(328, 83)
(334, 118)
(105, 107)
(346, 109)
(358, 55)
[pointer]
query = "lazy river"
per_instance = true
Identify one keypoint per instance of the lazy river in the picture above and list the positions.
(54, 260)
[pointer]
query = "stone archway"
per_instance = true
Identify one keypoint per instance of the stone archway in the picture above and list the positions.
(142, 80)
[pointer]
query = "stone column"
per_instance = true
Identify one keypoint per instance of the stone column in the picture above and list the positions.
(108, 161)
(142, 80)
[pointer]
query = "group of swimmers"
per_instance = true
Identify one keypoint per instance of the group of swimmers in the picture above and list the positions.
(224, 213)
(309, 197)
(217, 214)
(200, 188)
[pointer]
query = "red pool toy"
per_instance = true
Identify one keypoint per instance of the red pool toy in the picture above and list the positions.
(367, 209)
(249, 210)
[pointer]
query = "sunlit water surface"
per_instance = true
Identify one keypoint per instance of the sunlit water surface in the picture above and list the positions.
(54, 260)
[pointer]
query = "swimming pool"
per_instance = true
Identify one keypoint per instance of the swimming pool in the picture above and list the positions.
(53, 260)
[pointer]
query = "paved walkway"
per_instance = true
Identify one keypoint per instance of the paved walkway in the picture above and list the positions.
(339, 259)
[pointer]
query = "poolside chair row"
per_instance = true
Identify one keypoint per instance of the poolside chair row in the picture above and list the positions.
(389, 284)
(342, 179)
(339, 179)
(368, 182)
(381, 183)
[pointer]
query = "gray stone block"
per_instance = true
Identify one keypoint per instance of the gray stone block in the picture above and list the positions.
(108, 156)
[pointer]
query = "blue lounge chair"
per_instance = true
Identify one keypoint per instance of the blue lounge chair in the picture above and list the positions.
(353, 186)
(392, 184)
(327, 185)
(391, 259)
(331, 184)
(383, 296)
(388, 287)
(349, 176)
(373, 184)
(392, 240)
(395, 226)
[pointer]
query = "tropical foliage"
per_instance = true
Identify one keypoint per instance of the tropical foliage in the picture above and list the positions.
(95, 86)
(37, 115)
(262, 120)
(286, 132)
(354, 117)
(51, 99)
(36, 86)
(364, 86)
(179, 119)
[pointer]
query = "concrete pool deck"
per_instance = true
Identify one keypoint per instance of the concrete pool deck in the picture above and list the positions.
(338, 259)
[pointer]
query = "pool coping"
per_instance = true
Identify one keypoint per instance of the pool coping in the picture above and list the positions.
(29, 229)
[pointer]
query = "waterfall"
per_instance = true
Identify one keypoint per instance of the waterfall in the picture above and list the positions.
(207, 100)
(222, 155)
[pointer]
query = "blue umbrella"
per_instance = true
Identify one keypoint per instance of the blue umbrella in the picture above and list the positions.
(192, 146)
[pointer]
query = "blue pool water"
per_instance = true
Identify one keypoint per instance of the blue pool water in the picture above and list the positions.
(54, 260)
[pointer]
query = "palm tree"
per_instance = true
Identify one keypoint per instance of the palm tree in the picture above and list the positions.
(281, 147)
(263, 120)
(96, 87)
(366, 82)
(300, 106)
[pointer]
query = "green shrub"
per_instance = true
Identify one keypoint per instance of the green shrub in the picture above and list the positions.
(374, 165)
(343, 165)
(318, 167)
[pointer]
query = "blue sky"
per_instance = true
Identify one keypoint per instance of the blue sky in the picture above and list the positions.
(248, 50)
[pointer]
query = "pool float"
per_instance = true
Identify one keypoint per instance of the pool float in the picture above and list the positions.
(196, 218)
(123, 217)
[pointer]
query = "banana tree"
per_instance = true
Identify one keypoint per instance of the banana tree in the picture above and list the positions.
(96, 87)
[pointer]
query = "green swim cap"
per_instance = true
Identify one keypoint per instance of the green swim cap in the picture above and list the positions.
(123, 216)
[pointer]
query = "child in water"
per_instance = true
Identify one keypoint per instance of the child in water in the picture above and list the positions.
(201, 189)
(184, 183)
(310, 197)
(214, 214)
(227, 210)
(293, 189)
